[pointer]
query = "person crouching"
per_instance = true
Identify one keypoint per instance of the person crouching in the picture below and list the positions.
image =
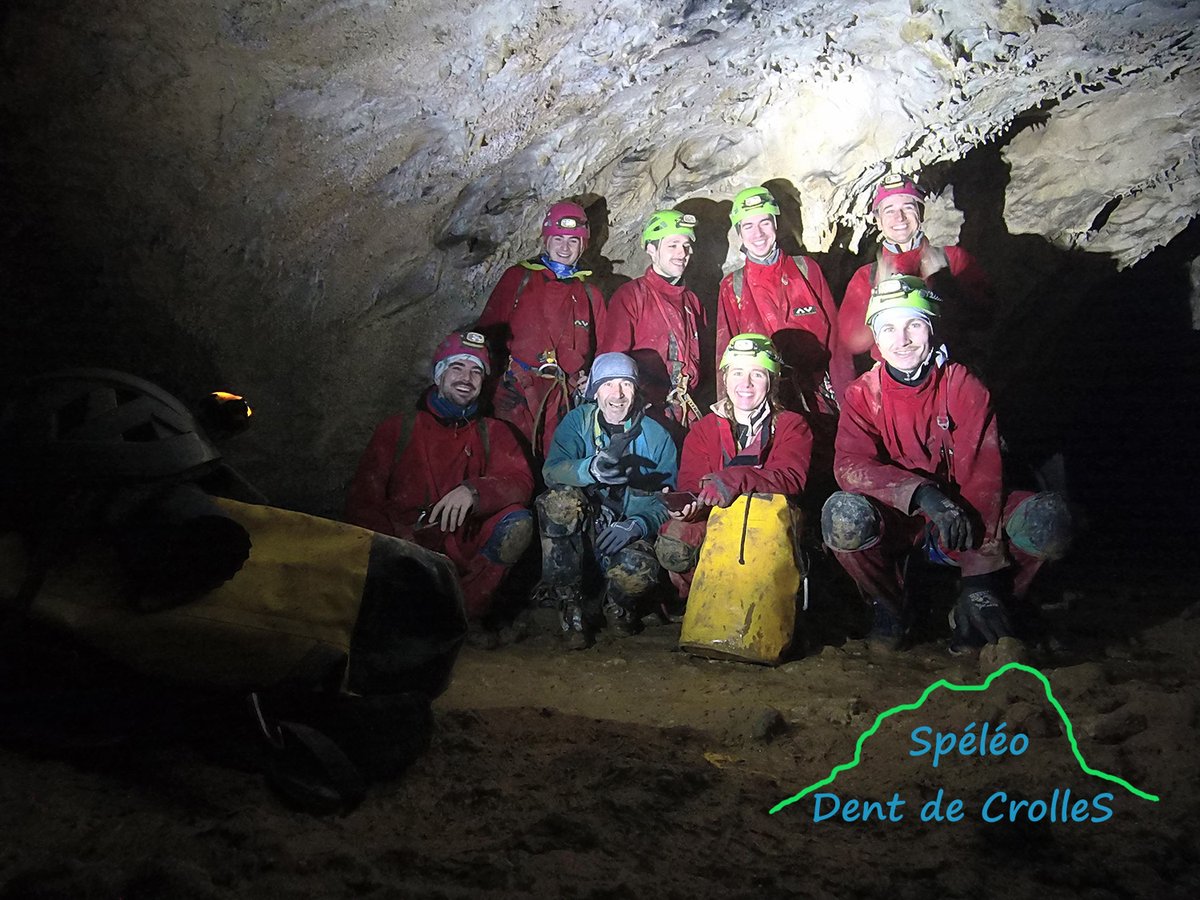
(601, 510)
(460, 486)
(747, 444)
(918, 460)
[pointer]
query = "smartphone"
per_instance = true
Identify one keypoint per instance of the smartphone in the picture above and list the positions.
(677, 500)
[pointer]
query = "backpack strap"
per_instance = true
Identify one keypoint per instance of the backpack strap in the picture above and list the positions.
(739, 277)
(483, 439)
(945, 428)
(521, 285)
(594, 295)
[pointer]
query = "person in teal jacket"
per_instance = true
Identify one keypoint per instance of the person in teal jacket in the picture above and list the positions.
(604, 472)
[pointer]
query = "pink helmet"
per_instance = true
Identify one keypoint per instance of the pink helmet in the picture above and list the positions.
(460, 345)
(568, 218)
(896, 185)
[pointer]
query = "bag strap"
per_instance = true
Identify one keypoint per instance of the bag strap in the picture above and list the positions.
(485, 441)
(594, 295)
(745, 529)
(739, 277)
(306, 767)
(945, 429)
(521, 285)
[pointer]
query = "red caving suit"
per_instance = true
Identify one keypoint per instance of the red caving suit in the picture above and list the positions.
(645, 316)
(390, 490)
(793, 308)
(531, 313)
(894, 438)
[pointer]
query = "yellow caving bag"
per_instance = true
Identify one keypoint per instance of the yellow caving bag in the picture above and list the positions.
(315, 600)
(742, 604)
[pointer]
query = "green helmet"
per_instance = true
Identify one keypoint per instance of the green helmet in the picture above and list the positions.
(667, 222)
(902, 292)
(751, 202)
(755, 348)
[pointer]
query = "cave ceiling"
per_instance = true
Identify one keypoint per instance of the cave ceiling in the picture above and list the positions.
(315, 190)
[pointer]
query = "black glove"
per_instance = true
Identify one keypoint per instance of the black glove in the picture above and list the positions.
(619, 535)
(951, 522)
(980, 612)
(619, 442)
(607, 466)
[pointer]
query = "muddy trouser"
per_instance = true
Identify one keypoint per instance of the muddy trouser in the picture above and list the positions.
(568, 532)
(678, 551)
(871, 540)
(482, 552)
(678, 548)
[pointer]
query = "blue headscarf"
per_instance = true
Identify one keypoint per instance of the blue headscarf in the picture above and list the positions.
(561, 271)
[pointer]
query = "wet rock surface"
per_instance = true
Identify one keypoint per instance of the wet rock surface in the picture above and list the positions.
(298, 200)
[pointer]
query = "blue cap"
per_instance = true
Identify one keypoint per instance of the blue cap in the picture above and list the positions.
(607, 367)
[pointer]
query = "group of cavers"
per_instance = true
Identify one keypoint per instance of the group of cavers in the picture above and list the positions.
(600, 394)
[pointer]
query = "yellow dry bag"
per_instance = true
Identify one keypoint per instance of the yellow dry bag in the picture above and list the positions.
(742, 604)
(315, 598)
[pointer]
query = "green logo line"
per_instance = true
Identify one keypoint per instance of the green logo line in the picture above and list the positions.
(942, 683)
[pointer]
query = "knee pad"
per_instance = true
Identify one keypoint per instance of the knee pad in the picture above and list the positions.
(633, 570)
(1041, 526)
(561, 512)
(510, 538)
(676, 555)
(849, 522)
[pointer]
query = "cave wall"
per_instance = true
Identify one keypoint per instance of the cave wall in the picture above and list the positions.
(297, 199)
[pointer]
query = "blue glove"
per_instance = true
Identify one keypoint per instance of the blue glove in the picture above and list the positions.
(619, 535)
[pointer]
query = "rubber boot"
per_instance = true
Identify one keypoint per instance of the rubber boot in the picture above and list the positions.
(889, 630)
(576, 634)
(620, 615)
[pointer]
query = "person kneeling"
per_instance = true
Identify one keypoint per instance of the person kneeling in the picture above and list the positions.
(747, 444)
(603, 471)
(918, 460)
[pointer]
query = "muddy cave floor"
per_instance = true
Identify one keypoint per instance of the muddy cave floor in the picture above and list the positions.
(634, 770)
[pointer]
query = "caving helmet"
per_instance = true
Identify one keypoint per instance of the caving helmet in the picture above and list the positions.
(461, 345)
(566, 218)
(754, 348)
(752, 202)
(894, 185)
(667, 222)
(93, 426)
(902, 292)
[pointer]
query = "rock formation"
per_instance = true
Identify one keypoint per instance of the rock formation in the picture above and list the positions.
(297, 199)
